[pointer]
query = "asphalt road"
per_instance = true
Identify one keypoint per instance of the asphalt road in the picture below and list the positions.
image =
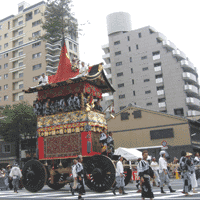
(48, 194)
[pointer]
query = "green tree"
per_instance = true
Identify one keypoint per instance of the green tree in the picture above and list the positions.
(19, 121)
(59, 21)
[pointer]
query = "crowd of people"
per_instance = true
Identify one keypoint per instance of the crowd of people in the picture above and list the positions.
(158, 172)
(12, 176)
(63, 104)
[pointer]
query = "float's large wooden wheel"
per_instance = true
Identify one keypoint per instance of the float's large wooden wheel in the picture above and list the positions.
(100, 173)
(34, 175)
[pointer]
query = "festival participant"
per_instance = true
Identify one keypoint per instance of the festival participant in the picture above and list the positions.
(80, 177)
(138, 181)
(110, 143)
(62, 105)
(70, 103)
(76, 102)
(163, 171)
(74, 175)
(192, 171)
(47, 108)
(144, 174)
(52, 107)
(43, 80)
(197, 162)
(119, 177)
(15, 174)
(155, 168)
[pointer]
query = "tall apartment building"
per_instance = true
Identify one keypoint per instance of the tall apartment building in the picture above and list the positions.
(22, 58)
(148, 70)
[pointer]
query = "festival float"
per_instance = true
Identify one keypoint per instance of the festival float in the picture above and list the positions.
(65, 135)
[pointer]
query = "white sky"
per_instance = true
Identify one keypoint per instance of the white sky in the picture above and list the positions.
(178, 20)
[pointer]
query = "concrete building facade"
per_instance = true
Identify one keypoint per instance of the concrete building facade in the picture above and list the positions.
(148, 70)
(22, 57)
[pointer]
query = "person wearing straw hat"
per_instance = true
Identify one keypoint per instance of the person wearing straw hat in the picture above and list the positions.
(164, 177)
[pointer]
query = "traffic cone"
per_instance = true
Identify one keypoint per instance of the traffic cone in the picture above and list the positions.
(177, 176)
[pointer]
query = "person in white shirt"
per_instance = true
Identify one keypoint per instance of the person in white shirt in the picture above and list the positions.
(154, 166)
(119, 176)
(43, 80)
(197, 168)
(15, 174)
(164, 177)
(74, 175)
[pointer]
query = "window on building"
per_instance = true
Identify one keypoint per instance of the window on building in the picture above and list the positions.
(5, 45)
(145, 68)
(0, 37)
(179, 111)
(0, 88)
(6, 66)
(21, 97)
(146, 80)
(117, 42)
(160, 87)
(36, 23)
(0, 27)
(36, 11)
(36, 67)
(21, 86)
(122, 107)
(8, 25)
(5, 76)
(20, 8)
(120, 74)
(0, 67)
(120, 85)
(132, 81)
(158, 76)
(0, 99)
(21, 64)
(0, 57)
(157, 64)
(0, 47)
(162, 133)
(129, 48)
(131, 70)
(117, 53)
(20, 42)
(137, 47)
(6, 87)
(128, 38)
(161, 100)
(5, 55)
(137, 114)
(29, 16)
(156, 53)
(20, 32)
(149, 104)
(133, 93)
(6, 98)
(35, 34)
(143, 57)
(6, 148)
(148, 92)
(36, 55)
(21, 75)
(139, 35)
(5, 35)
(125, 116)
(70, 45)
(118, 63)
(75, 47)
(0, 77)
(122, 96)
(130, 59)
(37, 44)
(20, 53)
(20, 22)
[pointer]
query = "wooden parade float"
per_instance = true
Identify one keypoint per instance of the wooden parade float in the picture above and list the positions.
(64, 135)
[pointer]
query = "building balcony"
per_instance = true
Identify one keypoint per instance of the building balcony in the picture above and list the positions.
(17, 58)
(191, 89)
(158, 69)
(160, 92)
(190, 77)
(159, 80)
(187, 65)
(169, 45)
(17, 37)
(51, 69)
(191, 101)
(107, 66)
(106, 58)
(17, 27)
(52, 58)
(193, 113)
(106, 48)
(51, 47)
(108, 76)
(179, 55)
(17, 68)
(161, 37)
